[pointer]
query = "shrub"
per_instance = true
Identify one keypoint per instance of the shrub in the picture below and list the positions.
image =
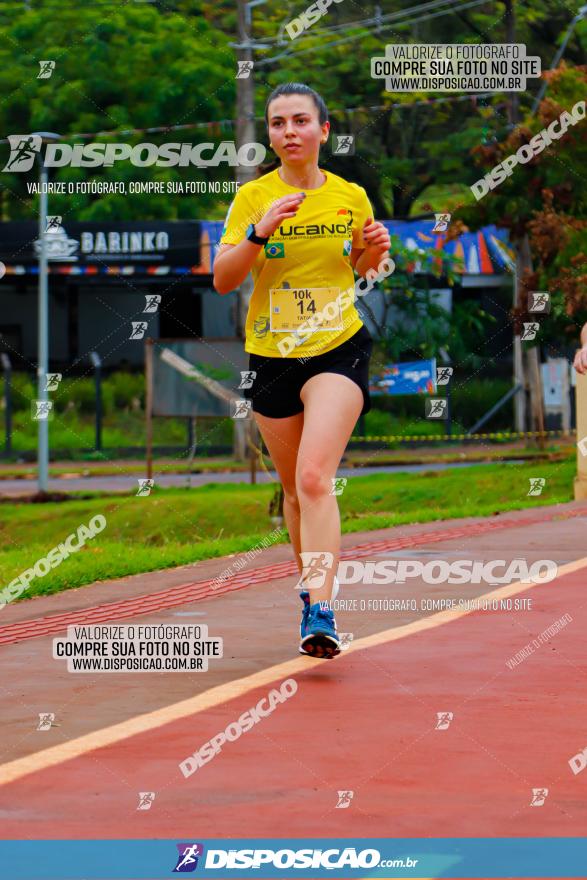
(470, 400)
(125, 387)
(377, 423)
(82, 394)
(24, 390)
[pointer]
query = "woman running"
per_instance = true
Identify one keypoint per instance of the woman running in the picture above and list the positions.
(301, 231)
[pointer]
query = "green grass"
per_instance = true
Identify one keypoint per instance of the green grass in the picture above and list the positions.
(179, 526)
(74, 431)
(472, 453)
(120, 467)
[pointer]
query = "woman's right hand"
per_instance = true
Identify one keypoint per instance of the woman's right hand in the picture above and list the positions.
(281, 209)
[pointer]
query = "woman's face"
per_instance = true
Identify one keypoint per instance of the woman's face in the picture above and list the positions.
(294, 129)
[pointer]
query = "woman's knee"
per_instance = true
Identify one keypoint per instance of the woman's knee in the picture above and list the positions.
(311, 481)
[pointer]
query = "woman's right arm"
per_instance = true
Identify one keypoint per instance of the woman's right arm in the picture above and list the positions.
(580, 363)
(233, 262)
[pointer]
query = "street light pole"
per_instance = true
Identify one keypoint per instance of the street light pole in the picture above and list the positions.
(43, 329)
(43, 365)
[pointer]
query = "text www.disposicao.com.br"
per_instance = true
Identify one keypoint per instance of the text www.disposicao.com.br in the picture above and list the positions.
(134, 664)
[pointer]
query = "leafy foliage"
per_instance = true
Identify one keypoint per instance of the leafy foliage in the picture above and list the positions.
(545, 199)
(117, 67)
(410, 321)
(172, 62)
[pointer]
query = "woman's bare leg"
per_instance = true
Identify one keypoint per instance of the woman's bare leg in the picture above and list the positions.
(282, 439)
(332, 405)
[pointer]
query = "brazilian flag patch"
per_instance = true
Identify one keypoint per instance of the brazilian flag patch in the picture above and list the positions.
(274, 251)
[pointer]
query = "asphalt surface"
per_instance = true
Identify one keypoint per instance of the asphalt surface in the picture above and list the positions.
(127, 483)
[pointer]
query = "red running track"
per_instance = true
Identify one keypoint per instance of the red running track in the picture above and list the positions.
(365, 722)
(183, 593)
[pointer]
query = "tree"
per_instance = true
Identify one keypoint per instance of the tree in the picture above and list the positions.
(408, 319)
(420, 146)
(117, 67)
(543, 204)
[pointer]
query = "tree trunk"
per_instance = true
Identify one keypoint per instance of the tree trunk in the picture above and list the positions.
(536, 394)
(510, 31)
(523, 264)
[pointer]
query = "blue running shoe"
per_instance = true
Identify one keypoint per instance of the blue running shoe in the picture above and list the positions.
(305, 596)
(321, 639)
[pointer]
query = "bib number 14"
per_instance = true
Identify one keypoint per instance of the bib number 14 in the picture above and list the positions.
(315, 308)
(304, 301)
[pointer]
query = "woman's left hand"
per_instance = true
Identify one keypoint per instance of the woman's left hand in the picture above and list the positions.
(376, 237)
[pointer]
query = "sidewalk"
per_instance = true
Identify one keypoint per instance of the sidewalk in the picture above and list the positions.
(474, 451)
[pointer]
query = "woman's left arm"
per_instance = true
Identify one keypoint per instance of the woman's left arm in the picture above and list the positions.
(377, 244)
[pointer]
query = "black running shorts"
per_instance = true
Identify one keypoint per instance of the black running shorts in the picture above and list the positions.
(276, 388)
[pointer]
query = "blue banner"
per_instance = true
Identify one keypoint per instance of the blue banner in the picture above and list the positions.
(304, 858)
(485, 252)
(411, 377)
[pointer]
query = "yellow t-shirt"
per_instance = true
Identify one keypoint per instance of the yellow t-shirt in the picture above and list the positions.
(309, 255)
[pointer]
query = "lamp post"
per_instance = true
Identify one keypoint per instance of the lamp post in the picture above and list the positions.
(96, 362)
(43, 330)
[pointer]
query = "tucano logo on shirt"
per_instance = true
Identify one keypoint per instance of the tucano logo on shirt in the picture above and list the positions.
(342, 225)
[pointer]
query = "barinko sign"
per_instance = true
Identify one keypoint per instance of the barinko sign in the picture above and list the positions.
(164, 243)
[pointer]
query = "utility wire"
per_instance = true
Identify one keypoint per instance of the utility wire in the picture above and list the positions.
(375, 20)
(232, 122)
(322, 46)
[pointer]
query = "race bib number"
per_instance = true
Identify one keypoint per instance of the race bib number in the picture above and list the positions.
(292, 309)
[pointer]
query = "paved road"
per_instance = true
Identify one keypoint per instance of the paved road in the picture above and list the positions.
(127, 483)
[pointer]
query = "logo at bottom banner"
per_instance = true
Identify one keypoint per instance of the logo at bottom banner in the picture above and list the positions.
(189, 854)
(279, 858)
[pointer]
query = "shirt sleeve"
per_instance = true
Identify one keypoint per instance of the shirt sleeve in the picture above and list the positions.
(240, 215)
(365, 211)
